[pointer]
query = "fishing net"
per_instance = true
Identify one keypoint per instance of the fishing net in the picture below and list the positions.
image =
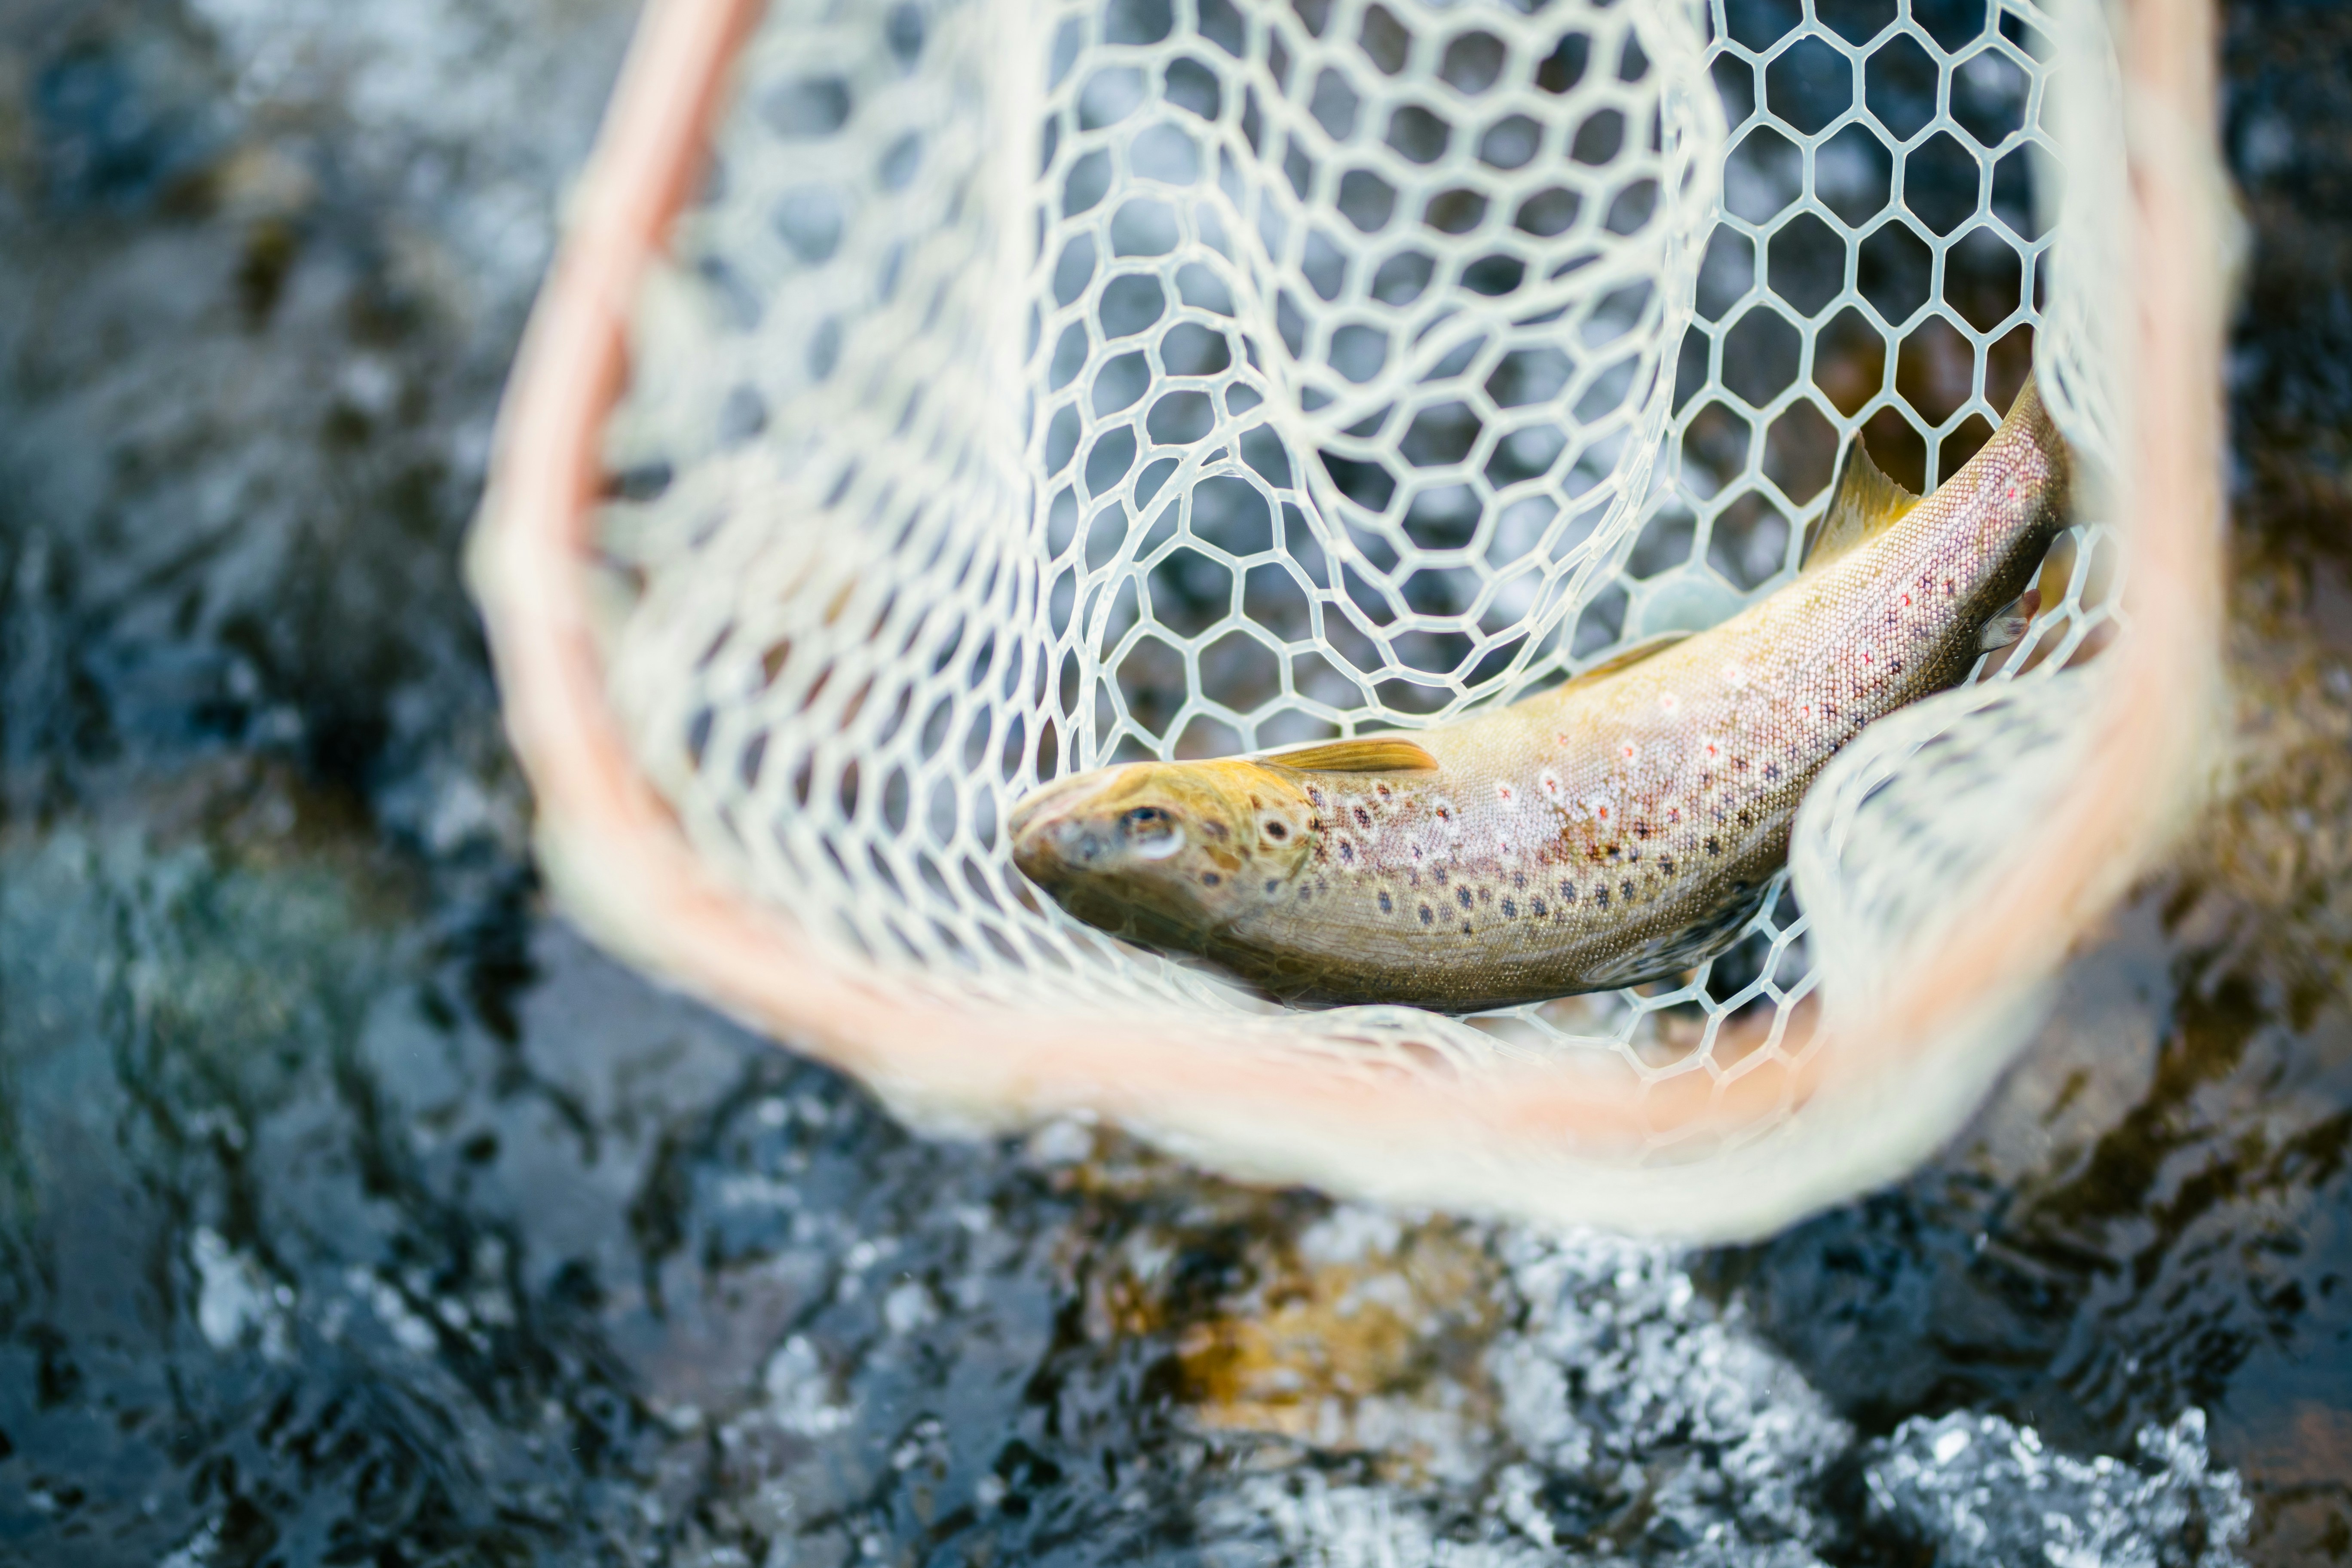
(1024, 385)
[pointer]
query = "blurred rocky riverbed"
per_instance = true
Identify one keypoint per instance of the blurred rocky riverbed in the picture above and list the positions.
(353, 1210)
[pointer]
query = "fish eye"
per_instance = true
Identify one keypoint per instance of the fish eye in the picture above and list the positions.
(1276, 831)
(1152, 833)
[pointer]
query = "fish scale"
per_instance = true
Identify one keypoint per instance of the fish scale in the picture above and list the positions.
(1615, 830)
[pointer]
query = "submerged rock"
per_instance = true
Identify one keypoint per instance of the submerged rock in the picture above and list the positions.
(1983, 1493)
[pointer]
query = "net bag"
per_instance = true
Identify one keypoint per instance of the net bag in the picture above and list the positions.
(934, 398)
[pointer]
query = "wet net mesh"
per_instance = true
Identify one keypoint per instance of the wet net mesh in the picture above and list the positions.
(1038, 384)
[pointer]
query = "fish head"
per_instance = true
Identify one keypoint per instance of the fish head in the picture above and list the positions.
(1191, 843)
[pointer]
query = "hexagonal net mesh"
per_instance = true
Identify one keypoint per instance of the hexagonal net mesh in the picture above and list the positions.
(1040, 383)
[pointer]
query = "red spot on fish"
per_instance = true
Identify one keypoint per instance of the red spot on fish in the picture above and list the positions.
(1628, 750)
(1506, 791)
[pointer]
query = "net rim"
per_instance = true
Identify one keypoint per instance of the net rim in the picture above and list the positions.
(620, 865)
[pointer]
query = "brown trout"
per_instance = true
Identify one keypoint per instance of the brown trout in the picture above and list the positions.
(1616, 829)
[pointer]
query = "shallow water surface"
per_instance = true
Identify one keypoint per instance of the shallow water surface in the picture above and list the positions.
(353, 1209)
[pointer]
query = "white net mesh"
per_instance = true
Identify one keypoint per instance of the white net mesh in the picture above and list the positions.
(1041, 384)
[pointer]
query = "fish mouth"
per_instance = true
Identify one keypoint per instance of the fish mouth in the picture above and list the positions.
(1058, 795)
(1051, 840)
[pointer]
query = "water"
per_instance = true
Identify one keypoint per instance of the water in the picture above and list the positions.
(352, 1209)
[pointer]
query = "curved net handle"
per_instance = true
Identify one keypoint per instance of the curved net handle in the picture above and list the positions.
(615, 854)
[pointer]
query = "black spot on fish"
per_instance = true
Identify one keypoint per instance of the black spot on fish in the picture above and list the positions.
(1386, 906)
(1746, 819)
(1346, 852)
(1616, 852)
(1628, 891)
(1305, 893)
(1739, 765)
(1440, 875)
(1600, 896)
(1461, 896)
(1315, 796)
(1272, 883)
(1641, 830)
(1895, 665)
(1666, 864)
(1568, 892)
(1426, 916)
(1510, 910)
(1210, 879)
(1535, 907)
(1363, 817)
(1772, 771)
(1465, 928)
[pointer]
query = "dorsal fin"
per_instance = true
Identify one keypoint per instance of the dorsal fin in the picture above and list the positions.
(1369, 755)
(1625, 657)
(1862, 503)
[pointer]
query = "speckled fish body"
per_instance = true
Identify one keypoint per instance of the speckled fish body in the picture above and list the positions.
(1615, 830)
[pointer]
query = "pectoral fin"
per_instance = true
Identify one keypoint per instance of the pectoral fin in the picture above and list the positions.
(2010, 621)
(1862, 503)
(1371, 754)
